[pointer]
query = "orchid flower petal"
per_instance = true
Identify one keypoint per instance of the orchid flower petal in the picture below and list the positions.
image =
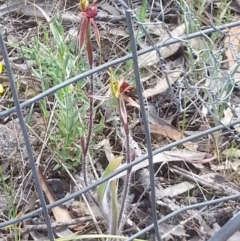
(123, 110)
(83, 5)
(130, 101)
(114, 85)
(82, 32)
(96, 30)
(89, 51)
(91, 11)
(97, 97)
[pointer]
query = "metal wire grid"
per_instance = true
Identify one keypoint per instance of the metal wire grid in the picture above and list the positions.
(227, 230)
(216, 84)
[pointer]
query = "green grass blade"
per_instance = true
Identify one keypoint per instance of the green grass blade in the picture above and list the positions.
(143, 10)
(114, 207)
(112, 166)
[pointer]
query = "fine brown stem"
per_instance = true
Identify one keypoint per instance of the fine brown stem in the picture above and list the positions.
(90, 126)
(128, 175)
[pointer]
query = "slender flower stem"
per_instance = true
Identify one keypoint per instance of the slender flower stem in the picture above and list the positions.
(84, 161)
(89, 45)
(128, 175)
(89, 12)
(90, 124)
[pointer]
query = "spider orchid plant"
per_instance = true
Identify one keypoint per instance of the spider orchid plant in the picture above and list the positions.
(89, 12)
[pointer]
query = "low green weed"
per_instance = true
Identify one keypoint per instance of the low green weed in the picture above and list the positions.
(55, 60)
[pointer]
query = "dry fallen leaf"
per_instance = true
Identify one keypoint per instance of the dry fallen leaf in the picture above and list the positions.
(115, 31)
(151, 58)
(23, 67)
(9, 7)
(155, 29)
(171, 133)
(168, 230)
(178, 189)
(204, 226)
(60, 213)
(232, 42)
(229, 117)
(185, 186)
(167, 156)
(108, 150)
(174, 69)
(162, 85)
(108, 8)
(198, 44)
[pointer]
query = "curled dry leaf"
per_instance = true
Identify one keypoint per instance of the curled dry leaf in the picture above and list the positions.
(171, 133)
(178, 189)
(60, 213)
(108, 150)
(162, 85)
(151, 58)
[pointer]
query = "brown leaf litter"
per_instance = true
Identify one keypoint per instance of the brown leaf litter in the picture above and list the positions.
(152, 58)
(182, 176)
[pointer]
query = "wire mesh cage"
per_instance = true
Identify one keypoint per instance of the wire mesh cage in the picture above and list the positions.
(205, 87)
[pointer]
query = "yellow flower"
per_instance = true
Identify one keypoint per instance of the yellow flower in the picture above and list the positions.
(83, 5)
(114, 85)
(1, 89)
(1, 69)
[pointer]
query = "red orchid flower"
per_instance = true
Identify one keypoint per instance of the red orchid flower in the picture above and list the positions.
(120, 88)
(88, 12)
(125, 87)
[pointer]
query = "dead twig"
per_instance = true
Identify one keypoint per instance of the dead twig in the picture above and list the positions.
(43, 227)
(194, 177)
